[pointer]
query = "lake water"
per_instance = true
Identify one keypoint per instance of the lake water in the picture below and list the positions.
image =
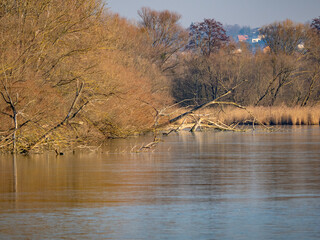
(209, 185)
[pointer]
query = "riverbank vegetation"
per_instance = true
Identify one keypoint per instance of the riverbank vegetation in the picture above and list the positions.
(73, 72)
(275, 115)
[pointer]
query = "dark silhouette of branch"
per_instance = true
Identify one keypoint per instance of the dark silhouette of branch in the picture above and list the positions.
(69, 116)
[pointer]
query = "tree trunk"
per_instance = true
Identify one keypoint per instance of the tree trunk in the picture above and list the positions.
(14, 135)
(310, 90)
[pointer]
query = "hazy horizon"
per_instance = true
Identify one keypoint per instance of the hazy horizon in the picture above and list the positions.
(253, 13)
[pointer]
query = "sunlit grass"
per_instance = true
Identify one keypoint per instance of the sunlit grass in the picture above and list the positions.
(279, 115)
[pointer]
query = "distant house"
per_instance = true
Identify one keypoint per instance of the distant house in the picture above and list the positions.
(257, 39)
(243, 38)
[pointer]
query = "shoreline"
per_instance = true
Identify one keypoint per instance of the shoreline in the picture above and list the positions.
(215, 118)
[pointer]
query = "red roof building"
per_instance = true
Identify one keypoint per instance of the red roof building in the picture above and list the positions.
(243, 38)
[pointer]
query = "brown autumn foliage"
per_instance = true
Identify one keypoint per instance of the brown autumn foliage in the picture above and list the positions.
(165, 36)
(43, 56)
(71, 71)
(283, 81)
(287, 74)
(48, 49)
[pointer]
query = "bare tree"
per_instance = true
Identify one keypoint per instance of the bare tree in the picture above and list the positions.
(166, 35)
(312, 58)
(284, 37)
(286, 41)
(42, 47)
(207, 36)
(315, 24)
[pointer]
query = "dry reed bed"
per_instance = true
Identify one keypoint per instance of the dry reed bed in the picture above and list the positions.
(272, 115)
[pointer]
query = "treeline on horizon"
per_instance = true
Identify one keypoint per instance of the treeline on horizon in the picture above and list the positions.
(72, 71)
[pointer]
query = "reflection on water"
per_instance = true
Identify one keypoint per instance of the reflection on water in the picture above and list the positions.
(194, 186)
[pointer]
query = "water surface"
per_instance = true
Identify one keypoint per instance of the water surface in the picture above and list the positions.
(210, 185)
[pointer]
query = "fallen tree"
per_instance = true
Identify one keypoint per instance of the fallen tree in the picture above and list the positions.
(199, 120)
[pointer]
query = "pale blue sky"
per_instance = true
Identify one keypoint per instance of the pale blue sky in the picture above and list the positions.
(254, 13)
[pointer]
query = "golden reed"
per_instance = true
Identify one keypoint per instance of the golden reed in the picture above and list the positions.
(280, 115)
